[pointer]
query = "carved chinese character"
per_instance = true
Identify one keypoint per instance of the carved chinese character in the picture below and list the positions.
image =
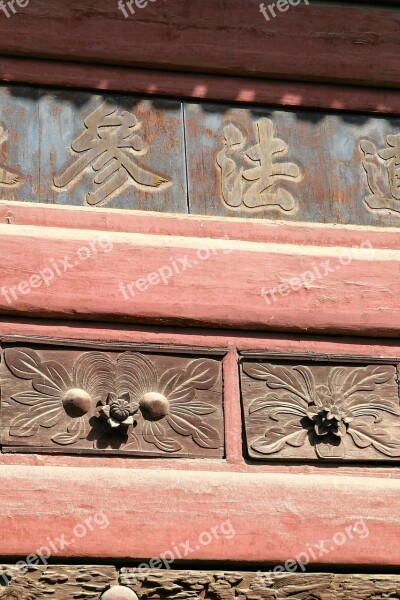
(383, 173)
(7, 178)
(251, 176)
(109, 146)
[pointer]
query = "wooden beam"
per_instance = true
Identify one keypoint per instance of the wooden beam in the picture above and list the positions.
(196, 226)
(148, 511)
(197, 86)
(314, 42)
(228, 283)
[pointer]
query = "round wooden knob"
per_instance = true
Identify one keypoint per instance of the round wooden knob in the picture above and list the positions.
(118, 592)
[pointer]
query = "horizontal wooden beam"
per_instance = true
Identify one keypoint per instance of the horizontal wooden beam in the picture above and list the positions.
(274, 518)
(226, 283)
(305, 42)
(199, 86)
(196, 226)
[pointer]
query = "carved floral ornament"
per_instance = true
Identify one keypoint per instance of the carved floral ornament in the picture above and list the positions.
(351, 407)
(125, 395)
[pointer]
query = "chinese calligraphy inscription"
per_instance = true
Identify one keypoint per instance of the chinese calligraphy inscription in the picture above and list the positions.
(7, 177)
(251, 176)
(110, 147)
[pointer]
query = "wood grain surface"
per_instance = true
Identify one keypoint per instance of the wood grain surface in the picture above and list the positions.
(314, 42)
(217, 283)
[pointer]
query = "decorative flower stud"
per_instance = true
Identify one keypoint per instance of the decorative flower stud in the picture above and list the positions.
(118, 410)
(330, 416)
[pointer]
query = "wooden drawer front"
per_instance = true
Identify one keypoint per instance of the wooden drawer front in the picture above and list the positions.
(146, 404)
(312, 411)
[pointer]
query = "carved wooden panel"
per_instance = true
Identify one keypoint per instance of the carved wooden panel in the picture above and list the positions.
(101, 583)
(296, 166)
(38, 581)
(64, 399)
(91, 150)
(223, 585)
(321, 411)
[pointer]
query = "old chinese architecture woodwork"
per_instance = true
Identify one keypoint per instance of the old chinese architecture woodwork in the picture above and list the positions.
(199, 298)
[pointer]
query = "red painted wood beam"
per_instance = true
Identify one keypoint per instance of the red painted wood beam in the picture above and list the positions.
(324, 43)
(275, 517)
(175, 279)
(233, 228)
(198, 87)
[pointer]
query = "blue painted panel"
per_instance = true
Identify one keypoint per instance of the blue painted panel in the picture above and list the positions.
(292, 165)
(94, 150)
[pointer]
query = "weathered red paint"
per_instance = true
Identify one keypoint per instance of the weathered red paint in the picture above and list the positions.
(274, 516)
(196, 86)
(359, 298)
(256, 230)
(305, 43)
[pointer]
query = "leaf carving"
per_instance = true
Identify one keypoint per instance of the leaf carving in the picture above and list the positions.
(23, 363)
(154, 434)
(203, 434)
(275, 440)
(364, 436)
(297, 382)
(76, 429)
(366, 379)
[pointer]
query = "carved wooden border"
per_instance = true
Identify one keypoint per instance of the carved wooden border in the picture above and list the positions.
(100, 583)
